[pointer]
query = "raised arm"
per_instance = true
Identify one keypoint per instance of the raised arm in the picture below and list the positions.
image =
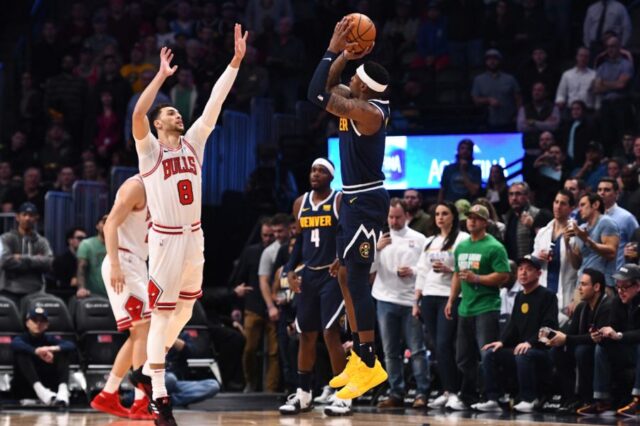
(140, 122)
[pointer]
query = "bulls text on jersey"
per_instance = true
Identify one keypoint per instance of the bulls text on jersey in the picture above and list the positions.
(176, 165)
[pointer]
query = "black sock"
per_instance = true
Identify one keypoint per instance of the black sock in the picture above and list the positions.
(356, 343)
(367, 354)
(304, 377)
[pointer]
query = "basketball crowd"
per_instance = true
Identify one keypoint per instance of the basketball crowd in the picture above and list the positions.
(546, 263)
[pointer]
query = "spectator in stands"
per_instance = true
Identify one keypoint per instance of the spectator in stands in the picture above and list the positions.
(65, 265)
(121, 26)
(614, 170)
(433, 285)
(31, 191)
(539, 115)
(497, 191)
(400, 32)
(77, 27)
(134, 69)
(26, 256)
(417, 219)
(628, 139)
(91, 171)
(592, 170)
(495, 227)
(576, 84)
(596, 241)
(47, 53)
(111, 81)
(100, 38)
(108, 128)
(41, 362)
(57, 151)
(576, 133)
(285, 62)
(394, 278)
(603, 16)
(500, 27)
(280, 228)
(181, 390)
(257, 10)
(67, 94)
(462, 179)
(538, 70)
(630, 195)
(465, 32)
(90, 254)
(578, 188)
(87, 69)
(252, 81)
(532, 27)
(558, 274)
(577, 345)
(612, 84)
(609, 191)
(617, 344)
(519, 349)
(551, 170)
(18, 151)
(29, 107)
(6, 178)
(519, 221)
(183, 24)
(184, 95)
(432, 45)
(161, 98)
(481, 266)
(165, 36)
(498, 91)
(246, 276)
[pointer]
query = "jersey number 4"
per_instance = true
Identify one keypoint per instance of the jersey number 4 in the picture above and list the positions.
(315, 237)
(185, 192)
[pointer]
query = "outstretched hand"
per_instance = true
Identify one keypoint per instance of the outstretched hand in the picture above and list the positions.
(240, 46)
(166, 56)
(338, 41)
(352, 56)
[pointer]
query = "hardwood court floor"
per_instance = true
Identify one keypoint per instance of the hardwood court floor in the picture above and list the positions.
(272, 418)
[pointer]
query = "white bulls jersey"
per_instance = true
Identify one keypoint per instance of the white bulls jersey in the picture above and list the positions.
(173, 177)
(132, 233)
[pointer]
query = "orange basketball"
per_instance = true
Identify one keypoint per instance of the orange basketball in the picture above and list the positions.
(363, 31)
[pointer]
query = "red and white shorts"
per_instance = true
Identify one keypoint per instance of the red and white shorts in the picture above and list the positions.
(132, 304)
(176, 264)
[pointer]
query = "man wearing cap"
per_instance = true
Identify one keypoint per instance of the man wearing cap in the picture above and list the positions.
(481, 267)
(616, 348)
(535, 307)
(41, 362)
(498, 91)
(26, 256)
(592, 170)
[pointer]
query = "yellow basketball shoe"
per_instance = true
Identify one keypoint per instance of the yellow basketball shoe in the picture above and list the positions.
(349, 370)
(364, 378)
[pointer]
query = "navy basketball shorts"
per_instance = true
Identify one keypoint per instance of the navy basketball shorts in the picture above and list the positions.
(362, 218)
(319, 304)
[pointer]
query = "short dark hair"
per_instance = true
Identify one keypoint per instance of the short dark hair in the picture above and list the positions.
(596, 276)
(612, 181)
(592, 197)
(398, 202)
(156, 110)
(266, 220)
(377, 72)
(419, 194)
(569, 195)
(72, 231)
(281, 219)
(582, 185)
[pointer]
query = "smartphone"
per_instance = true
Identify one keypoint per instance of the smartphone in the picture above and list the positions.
(551, 334)
(385, 228)
(592, 329)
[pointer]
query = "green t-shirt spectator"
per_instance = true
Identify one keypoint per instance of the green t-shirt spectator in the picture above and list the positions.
(482, 257)
(93, 251)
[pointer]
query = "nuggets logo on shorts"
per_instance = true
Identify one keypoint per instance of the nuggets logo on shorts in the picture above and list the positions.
(365, 248)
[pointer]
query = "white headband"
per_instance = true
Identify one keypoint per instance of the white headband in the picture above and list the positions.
(373, 85)
(326, 164)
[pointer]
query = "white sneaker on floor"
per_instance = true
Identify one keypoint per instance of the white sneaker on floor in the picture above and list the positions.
(62, 397)
(325, 396)
(297, 402)
(487, 406)
(454, 403)
(338, 407)
(440, 401)
(525, 406)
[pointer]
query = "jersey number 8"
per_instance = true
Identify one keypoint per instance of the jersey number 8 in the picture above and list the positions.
(185, 192)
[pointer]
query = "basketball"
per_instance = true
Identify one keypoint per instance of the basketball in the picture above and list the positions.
(363, 31)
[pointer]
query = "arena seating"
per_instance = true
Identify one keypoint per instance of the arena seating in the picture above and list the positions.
(11, 324)
(201, 361)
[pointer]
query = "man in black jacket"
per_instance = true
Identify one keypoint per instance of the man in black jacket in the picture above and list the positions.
(519, 349)
(617, 345)
(577, 346)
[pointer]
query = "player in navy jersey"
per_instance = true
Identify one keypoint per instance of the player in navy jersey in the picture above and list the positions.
(363, 116)
(319, 299)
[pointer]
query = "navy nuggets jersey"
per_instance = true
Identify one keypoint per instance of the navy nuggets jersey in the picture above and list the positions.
(319, 223)
(361, 156)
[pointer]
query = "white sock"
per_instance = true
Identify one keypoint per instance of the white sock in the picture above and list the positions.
(44, 394)
(146, 370)
(157, 384)
(138, 394)
(63, 393)
(113, 383)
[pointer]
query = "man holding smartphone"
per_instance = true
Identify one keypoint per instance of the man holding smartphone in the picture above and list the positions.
(519, 349)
